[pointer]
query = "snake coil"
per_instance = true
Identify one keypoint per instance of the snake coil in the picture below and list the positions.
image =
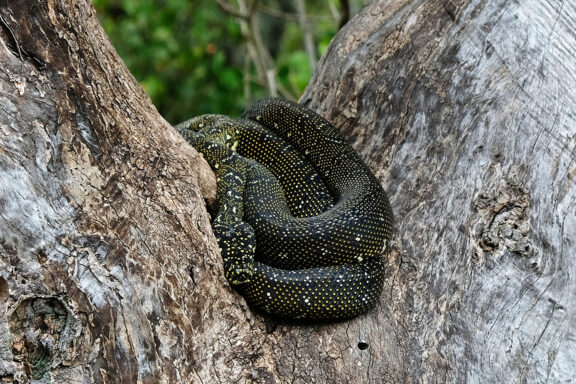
(302, 221)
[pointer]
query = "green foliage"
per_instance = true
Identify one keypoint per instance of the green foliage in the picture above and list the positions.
(177, 49)
(190, 56)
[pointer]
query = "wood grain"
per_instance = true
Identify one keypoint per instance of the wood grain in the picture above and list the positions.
(109, 272)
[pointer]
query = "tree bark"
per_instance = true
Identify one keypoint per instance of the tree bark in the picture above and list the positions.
(465, 110)
(109, 272)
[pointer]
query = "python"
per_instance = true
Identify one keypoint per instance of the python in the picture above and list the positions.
(301, 221)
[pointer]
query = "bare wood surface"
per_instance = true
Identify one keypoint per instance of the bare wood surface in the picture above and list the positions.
(464, 110)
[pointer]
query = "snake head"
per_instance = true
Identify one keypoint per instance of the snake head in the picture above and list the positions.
(237, 243)
(237, 275)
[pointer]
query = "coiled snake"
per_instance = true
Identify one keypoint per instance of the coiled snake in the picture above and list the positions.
(301, 220)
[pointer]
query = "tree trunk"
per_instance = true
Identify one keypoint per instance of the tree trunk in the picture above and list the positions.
(109, 272)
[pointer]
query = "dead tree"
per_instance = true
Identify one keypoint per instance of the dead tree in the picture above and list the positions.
(464, 110)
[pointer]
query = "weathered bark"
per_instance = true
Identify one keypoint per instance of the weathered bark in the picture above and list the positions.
(464, 109)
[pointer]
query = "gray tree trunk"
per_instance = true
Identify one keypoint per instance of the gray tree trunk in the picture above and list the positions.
(465, 111)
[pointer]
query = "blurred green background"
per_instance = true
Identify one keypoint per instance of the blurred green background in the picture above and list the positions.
(217, 56)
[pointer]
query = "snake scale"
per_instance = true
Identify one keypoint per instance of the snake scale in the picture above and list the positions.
(301, 221)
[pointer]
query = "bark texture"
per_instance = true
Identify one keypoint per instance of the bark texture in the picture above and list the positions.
(109, 272)
(465, 109)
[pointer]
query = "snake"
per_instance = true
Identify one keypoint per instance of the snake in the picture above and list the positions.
(301, 221)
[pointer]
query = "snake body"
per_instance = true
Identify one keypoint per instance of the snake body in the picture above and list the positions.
(302, 221)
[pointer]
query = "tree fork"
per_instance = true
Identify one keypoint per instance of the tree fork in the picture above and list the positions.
(463, 109)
